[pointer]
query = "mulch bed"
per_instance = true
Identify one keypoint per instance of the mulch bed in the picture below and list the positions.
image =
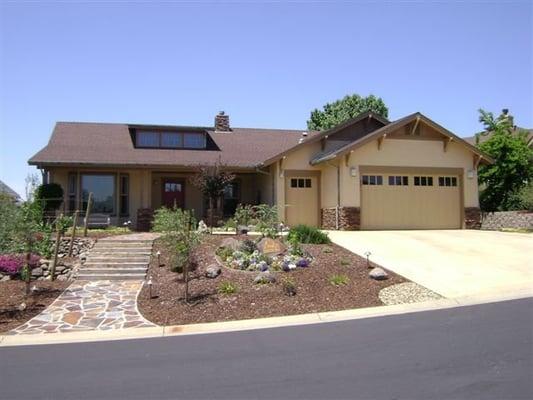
(314, 292)
(12, 295)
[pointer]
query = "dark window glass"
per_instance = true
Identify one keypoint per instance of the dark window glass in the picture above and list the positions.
(448, 181)
(72, 189)
(232, 196)
(423, 181)
(417, 181)
(454, 181)
(392, 180)
(430, 181)
(147, 139)
(171, 139)
(365, 179)
(194, 140)
(124, 195)
(405, 180)
(379, 180)
(103, 189)
(308, 183)
(372, 180)
(441, 181)
(301, 183)
(294, 183)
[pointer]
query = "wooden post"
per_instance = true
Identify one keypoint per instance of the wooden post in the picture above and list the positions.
(56, 249)
(74, 224)
(87, 213)
(28, 270)
(188, 260)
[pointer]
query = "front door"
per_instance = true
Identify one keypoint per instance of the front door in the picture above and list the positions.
(173, 192)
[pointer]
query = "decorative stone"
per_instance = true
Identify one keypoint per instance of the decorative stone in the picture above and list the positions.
(202, 227)
(22, 307)
(243, 230)
(231, 243)
(37, 272)
(270, 246)
(265, 277)
(378, 274)
(213, 271)
(5, 278)
(60, 268)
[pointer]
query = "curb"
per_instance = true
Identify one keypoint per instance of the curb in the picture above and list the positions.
(260, 323)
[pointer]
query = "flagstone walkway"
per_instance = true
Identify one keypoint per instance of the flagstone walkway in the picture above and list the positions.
(86, 306)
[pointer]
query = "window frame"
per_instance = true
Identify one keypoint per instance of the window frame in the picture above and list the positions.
(448, 181)
(83, 206)
(398, 180)
(423, 181)
(182, 140)
(372, 180)
(124, 195)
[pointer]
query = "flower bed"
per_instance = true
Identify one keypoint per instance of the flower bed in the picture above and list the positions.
(247, 256)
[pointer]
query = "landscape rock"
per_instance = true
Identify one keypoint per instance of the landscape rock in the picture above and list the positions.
(37, 272)
(21, 307)
(213, 271)
(270, 246)
(378, 274)
(265, 277)
(5, 278)
(202, 227)
(231, 243)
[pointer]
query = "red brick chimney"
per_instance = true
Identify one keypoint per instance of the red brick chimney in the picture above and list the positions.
(222, 122)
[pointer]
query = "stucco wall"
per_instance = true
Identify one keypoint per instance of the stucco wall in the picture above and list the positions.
(409, 153)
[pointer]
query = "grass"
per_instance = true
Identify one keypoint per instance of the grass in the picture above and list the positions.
(517, 230)
(327, 250)
(338, 280)
(227, 288)
(345, 263)
(112, 230)
(308, 235)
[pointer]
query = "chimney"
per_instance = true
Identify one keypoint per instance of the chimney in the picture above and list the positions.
(222, 122)
(509, 117)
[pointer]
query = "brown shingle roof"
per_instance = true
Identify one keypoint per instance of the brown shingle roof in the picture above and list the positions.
(484, 138)
(111, 144)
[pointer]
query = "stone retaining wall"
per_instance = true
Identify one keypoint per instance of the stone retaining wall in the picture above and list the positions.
(507, 219)
(349, 218)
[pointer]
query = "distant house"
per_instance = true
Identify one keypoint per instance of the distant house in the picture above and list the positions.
(484, 137)
(4, 189)
(366, 173)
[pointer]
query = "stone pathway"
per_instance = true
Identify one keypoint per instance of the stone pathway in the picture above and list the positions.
(86, 306)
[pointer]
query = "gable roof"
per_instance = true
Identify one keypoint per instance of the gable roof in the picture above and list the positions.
(81, 143)
(329, 132)
(484, 138)
(321, 157)
(7, 190)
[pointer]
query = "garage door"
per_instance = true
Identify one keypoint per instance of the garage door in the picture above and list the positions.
(301, 199)
(410, 201)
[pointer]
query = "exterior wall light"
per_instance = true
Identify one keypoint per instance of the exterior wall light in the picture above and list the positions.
(470, 174)
(353, 171)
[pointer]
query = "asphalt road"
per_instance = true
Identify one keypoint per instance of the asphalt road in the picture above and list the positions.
(483, 352)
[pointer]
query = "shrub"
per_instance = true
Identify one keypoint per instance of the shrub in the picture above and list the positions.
(12, 263)
(338, 280)
(244, 215)
(50, 196)
(267, 220)
(248, 246)
(308, 234)
(227, 288)
(289, 287)
(345, 263)
(224, 253)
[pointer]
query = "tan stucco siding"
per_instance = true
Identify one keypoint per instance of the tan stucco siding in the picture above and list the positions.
(409, 153)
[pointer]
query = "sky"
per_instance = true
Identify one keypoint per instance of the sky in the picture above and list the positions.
(266, 64)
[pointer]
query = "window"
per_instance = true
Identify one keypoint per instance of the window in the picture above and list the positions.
(372, 180)
(170, 140)
(72, 189)
(124, 195)
(301, 183)
(398, 180)
(194, 140)
(103, 189)
(423, 180)
(447, 181)
(147, 139)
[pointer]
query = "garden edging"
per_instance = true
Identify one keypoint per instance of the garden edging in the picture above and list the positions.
(263, 323)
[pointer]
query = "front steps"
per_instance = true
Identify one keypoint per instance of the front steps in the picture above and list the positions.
(117, 259)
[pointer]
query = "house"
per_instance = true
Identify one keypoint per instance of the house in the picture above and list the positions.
(483, 137)
(6, 190)
(366, 173)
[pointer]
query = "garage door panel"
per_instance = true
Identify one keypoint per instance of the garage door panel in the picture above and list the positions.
(301, 200)
(388, 206)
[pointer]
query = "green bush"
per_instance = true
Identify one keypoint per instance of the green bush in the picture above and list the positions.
(338, 280)
(248, 246)
(50, 196)
(267, 220)
(227, 288)
(308, 234)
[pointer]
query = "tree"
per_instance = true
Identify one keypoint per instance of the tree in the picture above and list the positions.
(180, 237)
(513, 162)
(333, 114)
(211, 181)
(50, 195)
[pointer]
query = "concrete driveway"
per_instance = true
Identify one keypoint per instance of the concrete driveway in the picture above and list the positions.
(453, 263)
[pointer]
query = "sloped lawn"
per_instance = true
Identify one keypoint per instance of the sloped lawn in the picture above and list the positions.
(315, 288)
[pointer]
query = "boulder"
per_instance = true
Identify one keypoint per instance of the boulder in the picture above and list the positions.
(213, 271)
(231, 243)
(37, 272)
(270, 246)
(378, 274)
(265, 277)
(5, 278)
